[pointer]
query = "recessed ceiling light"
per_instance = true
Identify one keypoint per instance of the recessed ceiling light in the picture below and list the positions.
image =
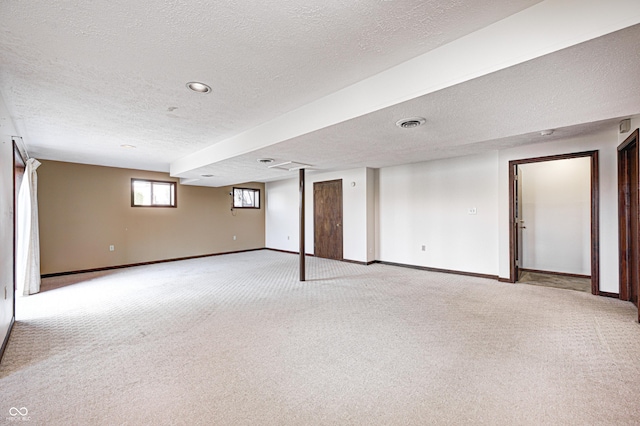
(206, 175)
(546, 132)
(198, 87)
(410, 123)
(126, 145)
(265, 160)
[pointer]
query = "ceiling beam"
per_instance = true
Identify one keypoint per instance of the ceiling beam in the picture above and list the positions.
(547, 27)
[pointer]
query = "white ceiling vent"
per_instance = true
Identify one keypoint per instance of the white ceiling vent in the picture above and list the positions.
(410, 123)
(290, 166)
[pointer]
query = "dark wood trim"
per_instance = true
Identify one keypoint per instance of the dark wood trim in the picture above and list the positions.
(156, 206)
(359, 262)
(554, 157)
(505, 280)
(625, 242)
(562, 274)
(607, 294)
(623, 260)
(152, 262)
(633, 137)
(443, 271)
(512, 224)
(595, 223)
(233, 192)
(623, 222)
(288, 251)
(595, 212)
(5, 342)
(302, 248)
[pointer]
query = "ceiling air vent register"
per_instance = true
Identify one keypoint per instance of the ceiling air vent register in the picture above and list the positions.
(410, 123)
(290, 166)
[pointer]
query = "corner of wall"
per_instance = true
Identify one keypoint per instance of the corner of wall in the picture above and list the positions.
(372, 223)
(6, 236)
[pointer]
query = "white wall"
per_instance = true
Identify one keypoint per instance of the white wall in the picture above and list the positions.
(6, 234)
(428, 204)
(556, 209)
(606, 142)
(372, 181)
(7, 129)
(282, 213)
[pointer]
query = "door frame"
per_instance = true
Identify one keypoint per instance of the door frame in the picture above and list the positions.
(517, 217)
(595, 212)
(623, 218)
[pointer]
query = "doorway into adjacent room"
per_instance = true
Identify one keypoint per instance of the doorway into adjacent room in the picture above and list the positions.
(554, 221)
(628, 220)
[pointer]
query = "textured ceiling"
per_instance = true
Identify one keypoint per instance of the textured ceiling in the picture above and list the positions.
(585, 87)
(80, 79)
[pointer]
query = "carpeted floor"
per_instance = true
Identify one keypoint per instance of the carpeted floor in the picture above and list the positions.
(237, 340)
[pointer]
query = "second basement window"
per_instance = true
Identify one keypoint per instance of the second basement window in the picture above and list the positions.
(152, 193)
(246, 198)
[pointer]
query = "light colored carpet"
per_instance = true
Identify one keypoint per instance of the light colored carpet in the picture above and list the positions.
(237, 340)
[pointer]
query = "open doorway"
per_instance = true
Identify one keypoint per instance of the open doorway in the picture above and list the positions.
(556, 241)
(628, 219)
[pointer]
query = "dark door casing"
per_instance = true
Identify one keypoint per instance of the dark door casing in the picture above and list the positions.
(518, 221)
(595, 214)
(628, 219)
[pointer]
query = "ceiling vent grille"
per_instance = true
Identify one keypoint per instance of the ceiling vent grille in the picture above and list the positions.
(410, 123)
(290, 166)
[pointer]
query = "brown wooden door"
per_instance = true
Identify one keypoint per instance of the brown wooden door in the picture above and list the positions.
(629, 221)
(327, 219)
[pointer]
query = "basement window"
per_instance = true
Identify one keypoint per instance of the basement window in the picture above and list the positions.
(152, 193)
(246, 198)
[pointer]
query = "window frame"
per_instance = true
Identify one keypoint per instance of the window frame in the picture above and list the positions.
(255, 190)
(174, 186)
